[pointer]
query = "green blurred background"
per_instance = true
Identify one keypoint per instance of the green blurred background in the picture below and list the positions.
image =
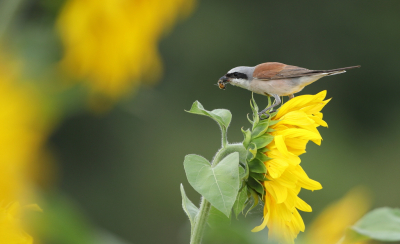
(122, 168)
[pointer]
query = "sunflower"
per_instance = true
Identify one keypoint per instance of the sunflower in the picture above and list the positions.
(10, 228)
(297, 124)
(331, 225)
(113, 44)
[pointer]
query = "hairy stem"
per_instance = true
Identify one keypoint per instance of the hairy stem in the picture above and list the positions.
(224, 138)
(201, 222)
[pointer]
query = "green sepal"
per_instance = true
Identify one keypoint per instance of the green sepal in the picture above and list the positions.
(221, 116)
(254, 108)
(272, 122)
(240, 201)
(257, 166)
(247, 137)
(252, 151)
(259, 176)
(260, 129)
(218, 184)
(255, 185)
(270, 130)
(263, 140)
(254, 195)
(190, 209)
(251, 121)
(217, 219)
(382, 224)
(262, 157)
(263, 150)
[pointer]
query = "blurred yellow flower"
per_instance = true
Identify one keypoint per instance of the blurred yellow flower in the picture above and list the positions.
(112, 44)
(298, 122)
(22, 132)
(10, 229)
(330, 226)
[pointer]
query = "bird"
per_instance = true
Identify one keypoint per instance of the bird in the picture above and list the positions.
(275, 79)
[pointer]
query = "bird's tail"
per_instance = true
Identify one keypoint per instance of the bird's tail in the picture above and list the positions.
(340, 70)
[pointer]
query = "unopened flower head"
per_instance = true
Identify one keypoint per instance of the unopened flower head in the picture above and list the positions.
(298, 122)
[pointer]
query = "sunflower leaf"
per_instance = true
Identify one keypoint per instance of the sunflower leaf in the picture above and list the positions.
(255, 200)
(381, 224)
(217, 219)
(240, 201)
(221, 116)
(219, 184)
(190, 209)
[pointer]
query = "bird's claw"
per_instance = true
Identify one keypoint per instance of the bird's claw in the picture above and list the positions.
(265, 114)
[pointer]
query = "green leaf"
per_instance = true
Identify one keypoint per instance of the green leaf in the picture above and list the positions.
(262, 157)
(254, 184)
(190, 209)
(242, 172)
(260, 129)
(240, 201)
(252, 151)
(263, 140)
(247, 137)
(222, 116)
(219, 184)
(258, 176)
(257, 166)
(381, 224)
(217, 219)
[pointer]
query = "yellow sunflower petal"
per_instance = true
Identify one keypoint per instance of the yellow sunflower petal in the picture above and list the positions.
(302, 205)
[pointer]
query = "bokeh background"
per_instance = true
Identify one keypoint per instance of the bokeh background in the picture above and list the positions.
(100, 92)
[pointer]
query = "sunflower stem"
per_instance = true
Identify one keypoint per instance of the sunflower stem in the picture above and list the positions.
(201, 222)
(224, 138)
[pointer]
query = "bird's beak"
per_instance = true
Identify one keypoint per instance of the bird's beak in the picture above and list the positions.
(222, 82)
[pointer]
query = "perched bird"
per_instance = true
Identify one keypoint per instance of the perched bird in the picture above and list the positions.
(275, 79)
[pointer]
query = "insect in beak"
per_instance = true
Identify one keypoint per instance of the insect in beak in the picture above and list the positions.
(222, 82)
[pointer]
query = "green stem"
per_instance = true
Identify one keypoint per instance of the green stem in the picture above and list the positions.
(201, 222)
(8, 10)
(224, 138)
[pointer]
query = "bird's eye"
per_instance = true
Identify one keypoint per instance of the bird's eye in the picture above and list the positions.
(235, 74)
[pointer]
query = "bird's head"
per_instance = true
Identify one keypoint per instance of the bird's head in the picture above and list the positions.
(239, 76)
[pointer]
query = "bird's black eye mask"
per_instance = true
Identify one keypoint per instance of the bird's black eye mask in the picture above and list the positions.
(237, 75)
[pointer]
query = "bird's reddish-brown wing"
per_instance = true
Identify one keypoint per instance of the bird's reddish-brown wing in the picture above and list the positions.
(275, 70)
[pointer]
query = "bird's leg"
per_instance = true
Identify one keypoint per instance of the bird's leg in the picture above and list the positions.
(276, 103)
(291, 96)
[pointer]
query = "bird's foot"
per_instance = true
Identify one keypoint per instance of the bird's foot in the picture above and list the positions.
(265, 115)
